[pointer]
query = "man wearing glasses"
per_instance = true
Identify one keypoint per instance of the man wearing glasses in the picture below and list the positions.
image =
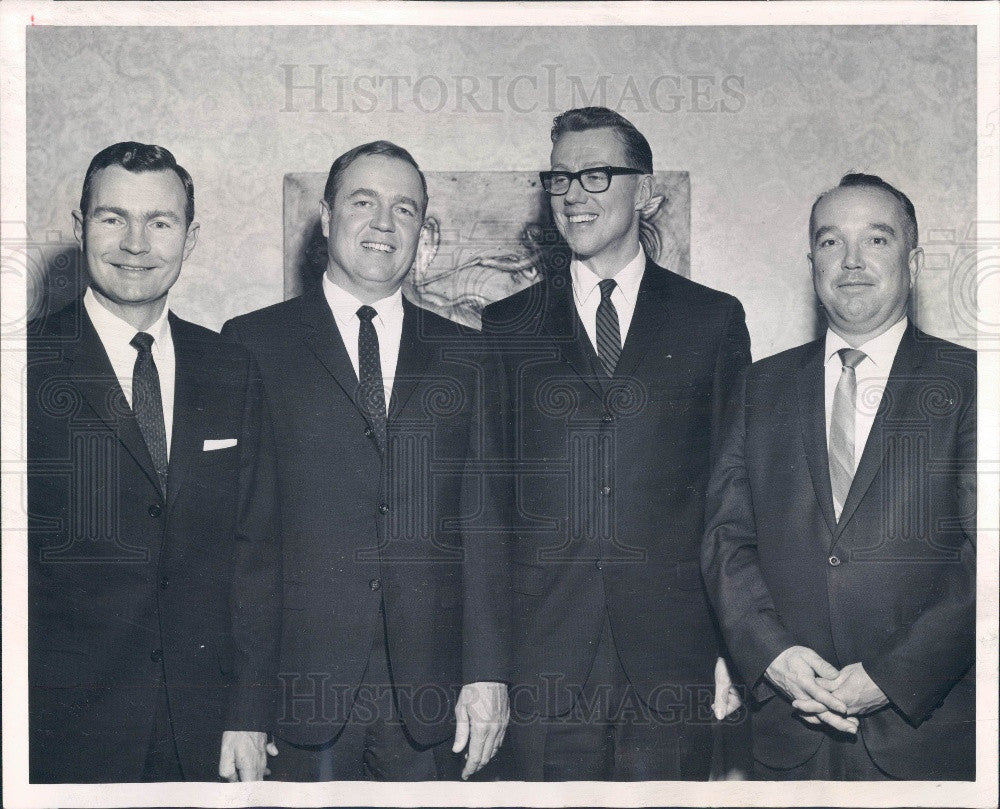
(610, 379)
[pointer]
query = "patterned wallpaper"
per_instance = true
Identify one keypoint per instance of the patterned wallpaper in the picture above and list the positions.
(762, 118)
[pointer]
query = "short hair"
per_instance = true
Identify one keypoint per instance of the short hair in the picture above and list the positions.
(638, 154)
(858, 180)
(382, 148)
(137, 157)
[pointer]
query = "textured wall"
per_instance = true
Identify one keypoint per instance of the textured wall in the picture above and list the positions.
(762, 118)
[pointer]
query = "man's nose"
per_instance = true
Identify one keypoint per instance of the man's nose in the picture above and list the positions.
(576, 193)
(134, 239)
(852, 257)
(382, 219)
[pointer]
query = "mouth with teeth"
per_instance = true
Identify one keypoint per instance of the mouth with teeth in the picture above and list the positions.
(132, 268)
(380, 247)
(580, 218)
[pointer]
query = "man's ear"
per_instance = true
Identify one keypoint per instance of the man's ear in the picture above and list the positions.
(643, 191)
(324, 218)
(191, 239)
(78, 226)
(915, 263)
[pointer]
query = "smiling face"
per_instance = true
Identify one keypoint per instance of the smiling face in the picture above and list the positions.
(373, 225)
(601, 229)
(134, 240)
(863, 265)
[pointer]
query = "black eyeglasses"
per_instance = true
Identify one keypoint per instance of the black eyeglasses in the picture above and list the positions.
(594, 180)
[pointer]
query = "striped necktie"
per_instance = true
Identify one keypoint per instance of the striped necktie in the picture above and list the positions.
(609, 343)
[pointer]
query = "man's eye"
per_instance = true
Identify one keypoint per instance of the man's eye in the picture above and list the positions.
(594, 176)
(406, 211)
(362, 203)
(160, 225)
(110, 220)
(880, 240)
(827, 242)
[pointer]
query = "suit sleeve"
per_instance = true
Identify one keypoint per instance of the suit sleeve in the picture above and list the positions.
(733, 358)
(920, 663)
(751, 626)
(486, 535)
(256, 590)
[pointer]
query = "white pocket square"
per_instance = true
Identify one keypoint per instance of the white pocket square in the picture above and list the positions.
(218, 443)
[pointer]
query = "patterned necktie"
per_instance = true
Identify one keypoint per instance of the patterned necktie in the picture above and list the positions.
(147, 405)
(609, 343)
(842, 427)
(371, 392)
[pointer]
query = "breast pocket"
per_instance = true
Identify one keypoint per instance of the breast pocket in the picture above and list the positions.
(214, 458)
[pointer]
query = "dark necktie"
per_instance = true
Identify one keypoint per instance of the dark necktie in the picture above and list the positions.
(371, 391)
(147, 405)
(842, 427)
(609, 343)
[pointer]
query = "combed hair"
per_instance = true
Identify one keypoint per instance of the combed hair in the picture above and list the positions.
(858, 180)
(638, 155)
(137, 157)
(378, 147)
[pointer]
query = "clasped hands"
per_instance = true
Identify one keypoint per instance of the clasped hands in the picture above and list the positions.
(820, 693)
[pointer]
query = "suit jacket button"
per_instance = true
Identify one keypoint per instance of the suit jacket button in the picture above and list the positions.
(383, 508)
(607, 418)
(164, 583)
(155, 510)
(606, 490)
(369, 432)
(599, 565)
(375, 584)
(834, 561)
(156, 655)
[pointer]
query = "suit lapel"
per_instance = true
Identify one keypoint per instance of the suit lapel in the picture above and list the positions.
(91, 373)
(898, 403)
(649, 320)
(812, 419)
(189, 401)
(323, 339)
(413, 358)
(561, 322)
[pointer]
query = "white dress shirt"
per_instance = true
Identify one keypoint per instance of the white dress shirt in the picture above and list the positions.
(587, 294)
(872, 374)
(116, 336)
(388, 327)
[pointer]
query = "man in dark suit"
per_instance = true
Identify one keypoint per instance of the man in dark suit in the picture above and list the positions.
(840, 546)
(608, 381)
(390, 613)
(153, 566)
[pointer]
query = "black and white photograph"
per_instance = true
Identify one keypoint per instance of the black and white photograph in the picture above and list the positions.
(500, 404)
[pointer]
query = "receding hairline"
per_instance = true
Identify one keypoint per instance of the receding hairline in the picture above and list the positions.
(908, 227)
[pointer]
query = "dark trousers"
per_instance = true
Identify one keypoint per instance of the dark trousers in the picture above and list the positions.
(373, 745)
(846, 760)
(611, 734)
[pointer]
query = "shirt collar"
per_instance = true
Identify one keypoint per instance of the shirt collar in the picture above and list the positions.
(628, 278)
(881, 350)
(344, 305)
(113, 330)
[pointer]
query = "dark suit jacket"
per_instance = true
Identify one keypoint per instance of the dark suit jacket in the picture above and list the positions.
(892, 584)
(120, 578)
(606, 498)
(361, 527)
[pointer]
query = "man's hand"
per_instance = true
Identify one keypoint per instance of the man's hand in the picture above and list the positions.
(856, 690)
(727, 699)
(481, 716)
(244, 755)
(797, 672)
